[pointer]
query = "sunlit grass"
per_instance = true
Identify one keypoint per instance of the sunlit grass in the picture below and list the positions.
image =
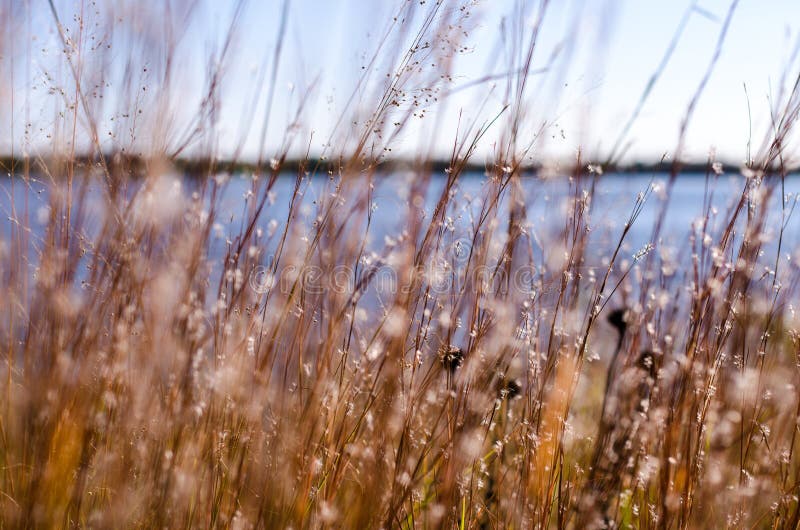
(475, 369)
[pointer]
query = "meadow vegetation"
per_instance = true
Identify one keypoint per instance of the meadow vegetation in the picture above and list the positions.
(511, 376)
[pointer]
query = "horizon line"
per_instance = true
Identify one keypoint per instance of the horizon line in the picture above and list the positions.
(195, 166)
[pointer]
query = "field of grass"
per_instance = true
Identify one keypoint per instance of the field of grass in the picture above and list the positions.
(505, 375)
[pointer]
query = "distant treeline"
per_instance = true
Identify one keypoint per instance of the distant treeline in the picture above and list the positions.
(134, 166)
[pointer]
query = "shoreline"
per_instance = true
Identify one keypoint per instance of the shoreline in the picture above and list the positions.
(198, 168)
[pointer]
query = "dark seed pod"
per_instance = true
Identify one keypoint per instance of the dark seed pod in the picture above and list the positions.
(451, 357)
(509, 389)
(647, 362)
(617, 319)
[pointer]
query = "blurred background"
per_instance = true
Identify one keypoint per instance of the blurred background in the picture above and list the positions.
(597, 66)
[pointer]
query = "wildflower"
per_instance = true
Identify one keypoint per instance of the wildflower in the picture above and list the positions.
(451, 357)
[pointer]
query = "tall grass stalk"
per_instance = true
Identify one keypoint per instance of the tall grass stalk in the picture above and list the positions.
(159, 374)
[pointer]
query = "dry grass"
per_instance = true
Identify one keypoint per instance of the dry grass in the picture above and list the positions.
(150, 382)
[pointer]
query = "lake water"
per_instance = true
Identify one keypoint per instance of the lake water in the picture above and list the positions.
(614, 198)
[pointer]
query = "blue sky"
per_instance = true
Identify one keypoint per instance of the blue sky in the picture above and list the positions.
(618, 47)
(609, 51)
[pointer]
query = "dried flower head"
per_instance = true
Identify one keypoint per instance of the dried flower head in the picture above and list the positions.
(451, 357)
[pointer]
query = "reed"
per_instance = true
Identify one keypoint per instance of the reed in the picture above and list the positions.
(163, 367)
